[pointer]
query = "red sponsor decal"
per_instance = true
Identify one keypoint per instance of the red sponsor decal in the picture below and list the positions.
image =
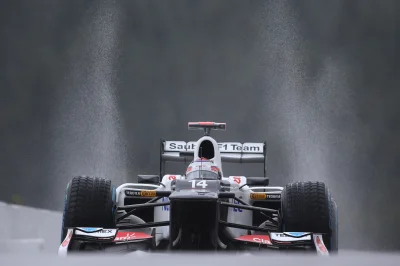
(66, 241)
(320, 245)
(172, 177)
(236, 179)
(129, 236)
(189, 169)
(206, 123)
(261, 239)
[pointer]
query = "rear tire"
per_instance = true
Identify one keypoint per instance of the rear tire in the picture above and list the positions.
(89, 202)
(307, 207)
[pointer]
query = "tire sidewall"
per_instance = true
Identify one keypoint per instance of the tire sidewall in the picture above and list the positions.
(282, 214)
(331, 234)
(66, 205)
(111, 203)
(335, 227)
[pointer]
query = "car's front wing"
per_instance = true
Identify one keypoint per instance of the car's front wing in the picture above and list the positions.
(102, 238)
(287, 240)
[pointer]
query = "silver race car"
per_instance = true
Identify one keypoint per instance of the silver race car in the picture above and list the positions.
(201, 208)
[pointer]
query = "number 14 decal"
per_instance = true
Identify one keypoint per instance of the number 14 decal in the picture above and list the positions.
(201, 183)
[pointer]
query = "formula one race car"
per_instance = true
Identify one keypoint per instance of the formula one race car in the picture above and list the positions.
(200, 210)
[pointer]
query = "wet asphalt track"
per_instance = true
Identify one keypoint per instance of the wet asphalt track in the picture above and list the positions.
(345, 258)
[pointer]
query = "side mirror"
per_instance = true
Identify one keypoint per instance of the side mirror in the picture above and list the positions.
(149, 179)
(257, 181)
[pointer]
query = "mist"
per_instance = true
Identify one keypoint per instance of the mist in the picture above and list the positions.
(87, 132)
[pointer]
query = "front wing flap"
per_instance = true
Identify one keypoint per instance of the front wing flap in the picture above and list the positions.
(287, 240)
(112, 237)
(106, 236)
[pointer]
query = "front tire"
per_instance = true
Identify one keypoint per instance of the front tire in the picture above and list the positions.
(89, 202)
(307, 207)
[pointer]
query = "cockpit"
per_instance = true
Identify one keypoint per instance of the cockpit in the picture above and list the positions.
(203, 168)
(202, 174)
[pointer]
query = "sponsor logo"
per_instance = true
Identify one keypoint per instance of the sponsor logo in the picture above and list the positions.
(148, 193)
(106, 231)
(180, 145)
(67, 239)
(284, 237)
(251, 149)
(258, 196)
(239, 147)
(237, 179)
(172, 177)
(165, 207)
(97, 230)
(143, 193)
(89, 229)
(280, 235)
(296, 234)
(132, 193)
(230, 147)
(126, 237)
(262, 196)
(261, 239)
(273, 196)
(100, 233)
(223, 147)
(129, 236)
(237, 209)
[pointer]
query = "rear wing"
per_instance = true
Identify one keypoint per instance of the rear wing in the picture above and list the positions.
(232, 152)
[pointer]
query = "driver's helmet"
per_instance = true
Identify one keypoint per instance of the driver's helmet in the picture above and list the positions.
(203, 169)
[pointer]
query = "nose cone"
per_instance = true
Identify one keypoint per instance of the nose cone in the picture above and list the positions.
(192, 194)
(196, 190)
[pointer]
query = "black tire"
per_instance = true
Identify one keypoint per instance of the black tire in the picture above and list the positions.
(306, 207)
(89, 202)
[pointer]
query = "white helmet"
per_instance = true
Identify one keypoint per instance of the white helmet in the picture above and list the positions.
(203, 169)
